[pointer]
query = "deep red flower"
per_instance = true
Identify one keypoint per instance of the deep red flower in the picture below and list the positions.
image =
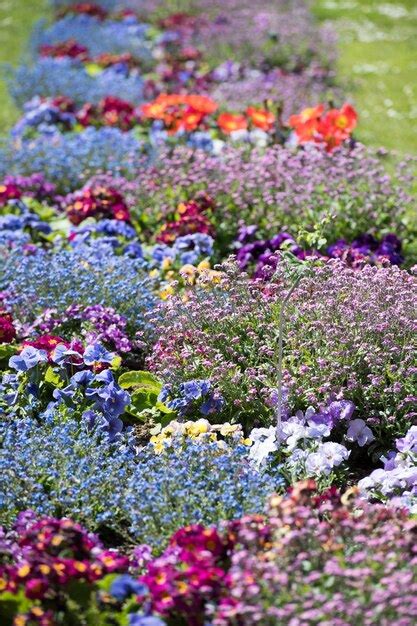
(9, 191)
(65, 104)
(36, 588)
(97, 201)
(45, 342)
(7, 330)
(85, 8)
(189, 219)
(63, 49)
(110, 111)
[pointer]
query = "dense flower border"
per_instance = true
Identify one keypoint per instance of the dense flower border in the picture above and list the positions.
(207, 297)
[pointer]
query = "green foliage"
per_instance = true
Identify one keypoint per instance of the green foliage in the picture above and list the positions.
(145, 389)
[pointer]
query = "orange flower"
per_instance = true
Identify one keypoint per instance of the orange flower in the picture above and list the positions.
(202, 104)
(153, 110)
(191, 119)
(331, 129)
(261, 118)
(344, 119)
(329, 135)
(229, 122)
(179, 111)
(306, 115)
(308, 131)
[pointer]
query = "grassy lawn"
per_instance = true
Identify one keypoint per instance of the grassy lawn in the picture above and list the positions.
(16, 21)
(378, 66)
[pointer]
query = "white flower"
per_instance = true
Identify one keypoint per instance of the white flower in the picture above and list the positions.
(327, 456)
(291, 433)
(315, 465)
(264, 442)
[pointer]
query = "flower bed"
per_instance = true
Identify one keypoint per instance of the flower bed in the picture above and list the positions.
(207, 329)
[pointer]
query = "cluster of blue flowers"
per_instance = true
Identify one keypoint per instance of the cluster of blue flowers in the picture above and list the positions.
(181, 487)
(44, 116)
(83, 275)
(61, 466)
(110, 36)
(119, 235)
(73, 159)
(67, 77)
(21, 225)
(192, 396)
(188, 249)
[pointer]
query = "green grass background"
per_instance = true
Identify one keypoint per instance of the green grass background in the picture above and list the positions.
(17, 18)
(378, 66)
(377, 61)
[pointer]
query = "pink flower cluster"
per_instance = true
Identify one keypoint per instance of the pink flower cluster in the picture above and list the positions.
(46, 554)
(189, 574)
(313, 559)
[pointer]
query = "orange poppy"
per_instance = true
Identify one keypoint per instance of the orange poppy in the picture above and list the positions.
(202, 104)
(229, 122)
(308, 131)
(344, 119)
(306, 115)
(261, 118)
(191, 120)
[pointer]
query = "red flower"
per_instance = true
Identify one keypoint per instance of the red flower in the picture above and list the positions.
(85, 8)
(68, 48)
(98, 202)
(261, 118)
(229, 122)
(7, 330)
(9, 191)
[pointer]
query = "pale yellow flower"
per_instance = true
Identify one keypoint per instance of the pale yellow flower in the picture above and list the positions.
(166, 292)
(228, 429)
(166, 263)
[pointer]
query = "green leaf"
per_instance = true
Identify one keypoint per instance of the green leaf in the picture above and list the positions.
(105, 583)
(62, 224)
(140, 380)
(52, 377)
(80, 592)
(11, 605)
(142, 400)
(7, 350)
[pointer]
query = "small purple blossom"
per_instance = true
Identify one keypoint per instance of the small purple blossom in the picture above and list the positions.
(361, 433)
